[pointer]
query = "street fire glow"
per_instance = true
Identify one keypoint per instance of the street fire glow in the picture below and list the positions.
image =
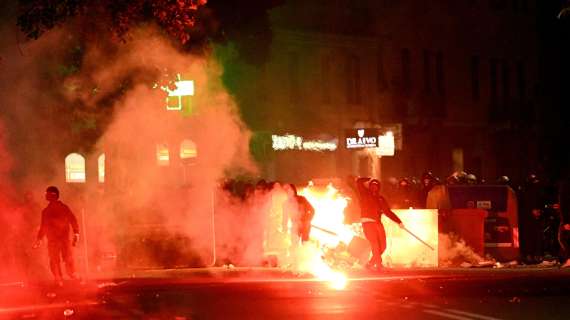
(328, 231)
(310, 260)
(402, 249)
(328, 223)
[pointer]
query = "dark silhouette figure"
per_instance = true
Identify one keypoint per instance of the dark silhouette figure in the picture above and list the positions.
(57, 219)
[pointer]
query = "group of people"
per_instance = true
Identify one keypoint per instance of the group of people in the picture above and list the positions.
(412, 192)
(544, 220)
(542, 212)
(544, 225)
(371, 203)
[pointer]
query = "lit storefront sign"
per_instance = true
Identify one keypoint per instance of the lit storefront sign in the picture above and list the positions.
(386, 145)
(292, 142)
(362, 138)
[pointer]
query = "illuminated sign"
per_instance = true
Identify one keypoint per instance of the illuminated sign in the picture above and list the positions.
(292, 142)
(181, 95)
(362, 138)
(386, 145)
(484, 205)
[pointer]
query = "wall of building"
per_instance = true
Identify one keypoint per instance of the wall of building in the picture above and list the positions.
(457, 75)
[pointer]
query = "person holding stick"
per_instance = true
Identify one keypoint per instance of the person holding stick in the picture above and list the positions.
(372, 207)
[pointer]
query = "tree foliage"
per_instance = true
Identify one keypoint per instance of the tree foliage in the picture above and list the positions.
(192, 25)
(191, 22)
(176, 17)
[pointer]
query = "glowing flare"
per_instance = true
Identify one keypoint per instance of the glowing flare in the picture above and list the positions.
(329, 228)
(310, 261)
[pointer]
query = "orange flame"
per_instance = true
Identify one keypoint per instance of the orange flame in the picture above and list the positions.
(328, 231)
(328, 223)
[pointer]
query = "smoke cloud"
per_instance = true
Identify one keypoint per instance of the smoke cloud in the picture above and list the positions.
(145, 214)
(454, 252)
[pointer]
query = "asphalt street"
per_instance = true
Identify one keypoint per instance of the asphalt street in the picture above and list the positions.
(462, 294)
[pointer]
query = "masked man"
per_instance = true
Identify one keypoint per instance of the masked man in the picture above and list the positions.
(56, 221)
(372, 207)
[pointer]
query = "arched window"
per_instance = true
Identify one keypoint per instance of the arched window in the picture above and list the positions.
(75, 168)
(162, 154)
(188, 149)
(101, 168)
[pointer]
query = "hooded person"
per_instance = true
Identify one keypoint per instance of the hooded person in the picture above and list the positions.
(56, 222)
(304, 216)
(372, 207)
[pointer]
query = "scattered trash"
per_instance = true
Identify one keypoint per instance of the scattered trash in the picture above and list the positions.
(547, 263)
(485, 263)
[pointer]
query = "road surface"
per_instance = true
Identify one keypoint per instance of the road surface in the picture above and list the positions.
(461, 294)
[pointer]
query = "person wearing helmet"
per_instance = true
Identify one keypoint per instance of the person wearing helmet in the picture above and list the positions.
(405, 196)
(372, 206)
(453, 179)
(503, 180)
(564, 230)
(531, 214)
(427, 183)
(55, 226)
(461, 177)
(471, 179)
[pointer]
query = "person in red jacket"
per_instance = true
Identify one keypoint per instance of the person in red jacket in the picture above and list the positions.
(56, 221)
(372, 206)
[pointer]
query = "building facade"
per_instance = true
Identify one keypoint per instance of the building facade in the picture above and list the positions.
(458, 77)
